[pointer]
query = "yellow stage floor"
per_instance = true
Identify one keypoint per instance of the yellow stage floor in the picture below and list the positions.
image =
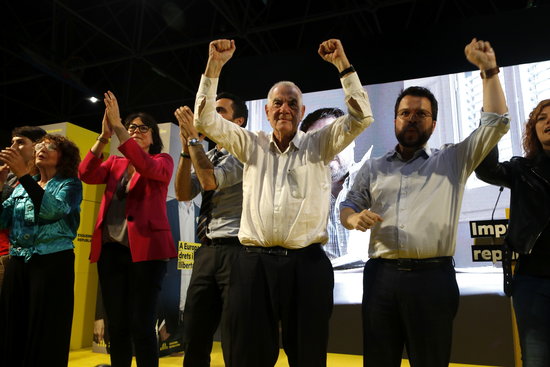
(86, 358)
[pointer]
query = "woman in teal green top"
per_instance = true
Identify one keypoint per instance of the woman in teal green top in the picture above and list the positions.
(43, 215)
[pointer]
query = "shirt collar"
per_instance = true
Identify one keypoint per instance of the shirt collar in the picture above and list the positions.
(296, 141)
(424, 152)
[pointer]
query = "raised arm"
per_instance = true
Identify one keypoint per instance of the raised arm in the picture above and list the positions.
(103, 138)
(219, 52)
(113, 115)
(481, 54)
(15, 161)
(336, 136)
(92, 170)
(206, 120)
(203, 167)
(191, 155)
(494, 118)
(182, 183)
(332, 51)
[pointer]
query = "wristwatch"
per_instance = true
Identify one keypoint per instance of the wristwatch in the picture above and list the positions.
(193, 142)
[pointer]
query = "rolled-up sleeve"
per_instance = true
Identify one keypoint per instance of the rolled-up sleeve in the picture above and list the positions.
(472, 150)
(358, 197)
(337, 136)
(357, 99)
(229, 173)
(226, 133)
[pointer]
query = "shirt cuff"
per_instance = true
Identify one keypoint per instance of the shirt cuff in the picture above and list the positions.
(219, 176)
(351, 83)
(354, 90)
(492, 118)
(347, 204)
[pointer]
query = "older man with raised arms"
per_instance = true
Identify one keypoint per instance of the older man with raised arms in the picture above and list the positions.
(282, 275)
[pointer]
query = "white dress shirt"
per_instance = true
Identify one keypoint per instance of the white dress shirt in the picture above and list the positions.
(285, 194)
(420, 199)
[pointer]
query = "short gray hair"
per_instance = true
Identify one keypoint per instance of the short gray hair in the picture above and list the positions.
(285, 83)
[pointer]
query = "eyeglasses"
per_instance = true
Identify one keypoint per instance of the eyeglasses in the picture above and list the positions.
(406, 114)
(50, 147)
(141, 128)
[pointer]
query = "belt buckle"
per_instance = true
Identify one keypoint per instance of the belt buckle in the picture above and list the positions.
(278, 251)
(405, 264)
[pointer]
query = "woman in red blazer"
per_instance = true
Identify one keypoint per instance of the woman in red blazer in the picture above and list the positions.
(132, 240)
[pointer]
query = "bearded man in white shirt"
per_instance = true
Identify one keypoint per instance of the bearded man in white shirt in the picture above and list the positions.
(282, 276)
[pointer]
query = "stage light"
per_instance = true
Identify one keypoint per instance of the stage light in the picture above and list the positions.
(93, 99)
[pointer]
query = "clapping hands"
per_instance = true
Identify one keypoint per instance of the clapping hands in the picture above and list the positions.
(111, 117)
(184, 115)
(14, 161)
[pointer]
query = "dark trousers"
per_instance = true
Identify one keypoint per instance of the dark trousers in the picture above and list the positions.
(130, 295)
(206, 301)
(291, 290)
(531, 297)
(3, 261)
(36, 310)
(412, 308)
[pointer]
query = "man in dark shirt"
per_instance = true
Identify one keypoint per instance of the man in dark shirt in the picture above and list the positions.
(218, 176)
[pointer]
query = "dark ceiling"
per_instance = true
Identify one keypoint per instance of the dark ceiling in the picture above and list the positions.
(57, 53)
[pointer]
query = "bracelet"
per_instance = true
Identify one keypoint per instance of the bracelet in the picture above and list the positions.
(103, 140)
(343, 73)
(185, 155)
(486, 74)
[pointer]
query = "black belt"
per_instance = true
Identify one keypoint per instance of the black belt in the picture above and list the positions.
(418, 264)
(222, 241)
(280, 251)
